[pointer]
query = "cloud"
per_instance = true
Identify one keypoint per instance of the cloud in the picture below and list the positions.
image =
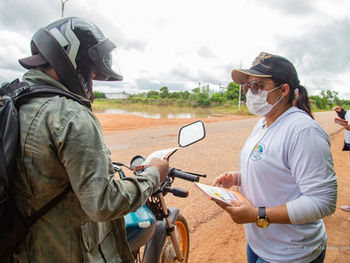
(321, 50)
(181, 73)
(181, 44)
(27, 15)
(295, 7)
(206, 52)
(320, 54)
(110, 30)
(147, 84)
(10, 53)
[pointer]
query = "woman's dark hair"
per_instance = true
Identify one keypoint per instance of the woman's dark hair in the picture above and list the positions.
(298, 96)
(302, 100)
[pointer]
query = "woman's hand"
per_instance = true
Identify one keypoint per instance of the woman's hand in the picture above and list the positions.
(241, 211)
(228, 179)
(336, 108)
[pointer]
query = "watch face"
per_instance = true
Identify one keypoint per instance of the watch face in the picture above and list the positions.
(263, 223)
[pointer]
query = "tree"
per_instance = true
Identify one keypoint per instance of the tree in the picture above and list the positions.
(232, 92)
(184, 94)
(164, 92)
(153, 94)
(330, 98)
(174, 95)
(326, 99)
(218, 97)
(317, 101)
(99, 95)
(196, 90)
(202, 96)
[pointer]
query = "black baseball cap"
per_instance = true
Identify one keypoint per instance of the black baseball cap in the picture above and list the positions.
(268, 66)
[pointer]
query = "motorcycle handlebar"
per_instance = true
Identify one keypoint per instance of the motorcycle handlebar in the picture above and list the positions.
(173, 172)
(177, 191)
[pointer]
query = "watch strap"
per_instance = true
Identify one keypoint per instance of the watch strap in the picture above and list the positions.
(262, 212)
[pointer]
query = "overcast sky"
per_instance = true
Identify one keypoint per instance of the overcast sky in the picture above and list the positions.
(181, 43)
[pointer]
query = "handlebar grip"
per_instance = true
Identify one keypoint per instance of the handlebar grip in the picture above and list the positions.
(183, 175)
(177, 191)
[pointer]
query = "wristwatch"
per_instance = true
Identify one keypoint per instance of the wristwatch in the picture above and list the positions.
(262, 221)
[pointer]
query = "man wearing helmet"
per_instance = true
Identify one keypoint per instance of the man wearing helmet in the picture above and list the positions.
(62, 144)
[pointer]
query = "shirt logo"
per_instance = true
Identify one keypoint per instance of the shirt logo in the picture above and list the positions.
(257, 153)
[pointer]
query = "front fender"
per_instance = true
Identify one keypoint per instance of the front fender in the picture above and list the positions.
(154, 246)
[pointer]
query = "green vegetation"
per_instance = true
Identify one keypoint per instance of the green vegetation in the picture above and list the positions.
(200, 97)
(327, 100)
(99, 95)
(225, 101)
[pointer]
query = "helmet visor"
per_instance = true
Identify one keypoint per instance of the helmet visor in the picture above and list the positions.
(104, 57)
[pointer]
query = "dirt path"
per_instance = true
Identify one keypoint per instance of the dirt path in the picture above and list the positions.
(130, 122)
(214, 237)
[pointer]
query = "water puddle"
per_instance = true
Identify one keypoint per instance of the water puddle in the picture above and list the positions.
(163, 113)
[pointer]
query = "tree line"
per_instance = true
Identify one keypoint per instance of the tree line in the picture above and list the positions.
(202, 96)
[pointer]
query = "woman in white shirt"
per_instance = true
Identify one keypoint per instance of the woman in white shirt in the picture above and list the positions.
(286, 168)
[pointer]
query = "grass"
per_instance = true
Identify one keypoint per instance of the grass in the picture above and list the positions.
(100, 105)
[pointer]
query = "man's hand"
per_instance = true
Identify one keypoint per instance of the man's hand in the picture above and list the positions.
(161, 165)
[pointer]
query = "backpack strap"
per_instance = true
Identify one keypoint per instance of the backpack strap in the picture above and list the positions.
(29, 221)
(26, 92)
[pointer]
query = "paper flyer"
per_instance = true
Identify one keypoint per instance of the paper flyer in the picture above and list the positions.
(160, 154)
(217, 193)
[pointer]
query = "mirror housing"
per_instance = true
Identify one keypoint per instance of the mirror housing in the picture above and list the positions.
(191, 133)
(136, 161)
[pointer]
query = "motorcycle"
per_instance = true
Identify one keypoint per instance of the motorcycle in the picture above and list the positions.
(157, 233)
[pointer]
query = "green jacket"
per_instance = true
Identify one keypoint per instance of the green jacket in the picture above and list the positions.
(62, 143)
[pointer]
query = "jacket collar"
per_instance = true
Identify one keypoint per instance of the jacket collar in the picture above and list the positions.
(37, 77)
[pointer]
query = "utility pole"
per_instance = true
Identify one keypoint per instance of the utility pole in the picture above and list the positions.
(239, 95)
(62, 4)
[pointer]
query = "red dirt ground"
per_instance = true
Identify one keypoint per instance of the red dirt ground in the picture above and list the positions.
(229, 246)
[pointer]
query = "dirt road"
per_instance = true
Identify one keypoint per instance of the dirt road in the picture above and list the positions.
(214, 237)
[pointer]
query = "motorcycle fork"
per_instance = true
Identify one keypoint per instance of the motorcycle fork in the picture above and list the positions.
(170, 229)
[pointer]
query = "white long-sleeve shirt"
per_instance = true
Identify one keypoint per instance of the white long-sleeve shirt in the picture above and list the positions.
(289, 163)
(346, 132)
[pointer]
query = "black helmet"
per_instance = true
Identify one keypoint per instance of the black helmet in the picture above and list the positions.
(75, 48)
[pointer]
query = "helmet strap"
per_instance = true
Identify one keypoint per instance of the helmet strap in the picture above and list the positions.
(87, 86)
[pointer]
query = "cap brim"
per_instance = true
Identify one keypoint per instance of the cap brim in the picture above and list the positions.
(240, 76)
(32, 61)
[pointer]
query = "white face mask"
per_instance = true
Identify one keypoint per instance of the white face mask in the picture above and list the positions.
(257, 104)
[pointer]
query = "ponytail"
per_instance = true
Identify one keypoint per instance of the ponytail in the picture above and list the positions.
(301, 100)
(298, 94)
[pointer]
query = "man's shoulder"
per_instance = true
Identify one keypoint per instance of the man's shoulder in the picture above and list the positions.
(65, 103)
(65, 109)
(61, 115)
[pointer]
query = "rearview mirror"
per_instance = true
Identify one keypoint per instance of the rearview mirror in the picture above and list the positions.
(136, 161)
(191, 133)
